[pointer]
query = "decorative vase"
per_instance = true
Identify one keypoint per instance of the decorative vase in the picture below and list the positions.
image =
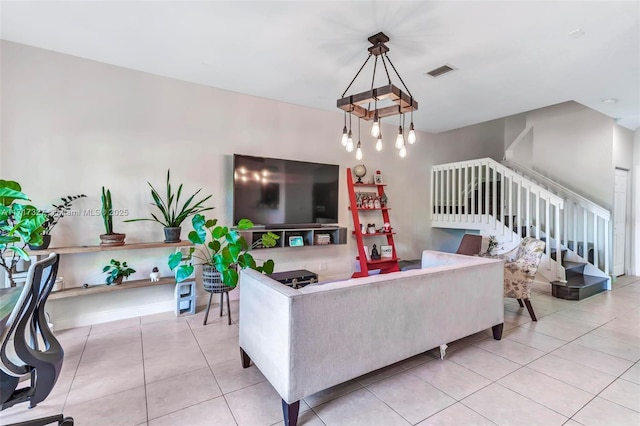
(172, 234)
(110, 240)
(212, 280)
(46, 240)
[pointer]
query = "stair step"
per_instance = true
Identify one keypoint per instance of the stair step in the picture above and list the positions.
(573, 268)
(578, 287)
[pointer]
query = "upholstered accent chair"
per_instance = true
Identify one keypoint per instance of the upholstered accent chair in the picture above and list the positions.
(470, 244)
(520, 267)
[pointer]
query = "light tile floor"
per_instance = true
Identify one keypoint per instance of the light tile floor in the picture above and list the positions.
(577, 365)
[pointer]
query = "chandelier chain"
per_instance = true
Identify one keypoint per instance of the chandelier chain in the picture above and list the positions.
(373, 77)
(357, 74)
(386, 70)
(396, 71)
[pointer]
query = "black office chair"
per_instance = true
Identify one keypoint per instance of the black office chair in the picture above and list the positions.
(29, 348)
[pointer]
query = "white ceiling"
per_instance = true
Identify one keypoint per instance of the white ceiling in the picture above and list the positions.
(511, 57)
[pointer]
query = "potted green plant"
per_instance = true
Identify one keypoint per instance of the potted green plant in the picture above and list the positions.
(109, 238)
(53, 216)
(221, 252)
(116, 272)
(492, 246)
(20, 224)
(172, 214)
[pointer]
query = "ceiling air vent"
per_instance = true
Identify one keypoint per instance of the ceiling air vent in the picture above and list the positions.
(440, 70)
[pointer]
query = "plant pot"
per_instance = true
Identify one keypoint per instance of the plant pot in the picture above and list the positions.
(112, 239)
(117, 281)
(46, 240)
(212, 280)
(172, 234)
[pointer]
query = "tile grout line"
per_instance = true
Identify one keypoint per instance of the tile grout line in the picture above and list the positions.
(390, 407)
(441, 390)
(472, 393)
(615, 380)
(172, 377)
(548, 353)
(582, 335)
(144, 375)
(213, 374)
(419, 378)
(562, 381)
(84, 347)
(598, 395)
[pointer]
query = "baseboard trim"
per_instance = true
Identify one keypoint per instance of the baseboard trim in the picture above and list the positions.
(81, 320)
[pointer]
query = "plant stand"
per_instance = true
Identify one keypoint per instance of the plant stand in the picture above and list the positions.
(212, 282)
(222, 293)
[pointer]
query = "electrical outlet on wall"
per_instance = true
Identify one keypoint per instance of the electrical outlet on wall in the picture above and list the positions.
(323, 266)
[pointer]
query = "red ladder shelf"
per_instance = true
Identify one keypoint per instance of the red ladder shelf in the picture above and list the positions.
(384, 264)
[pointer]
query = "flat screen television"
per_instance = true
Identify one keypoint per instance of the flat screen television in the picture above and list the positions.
(284, 193)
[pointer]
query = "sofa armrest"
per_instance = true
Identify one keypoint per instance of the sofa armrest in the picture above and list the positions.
(265, 331)
(432, 259)
(509, 256)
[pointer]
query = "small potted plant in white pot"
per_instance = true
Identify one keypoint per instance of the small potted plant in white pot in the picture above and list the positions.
(492, 246)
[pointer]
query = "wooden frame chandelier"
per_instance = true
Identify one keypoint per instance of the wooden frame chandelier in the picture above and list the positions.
(364, 105)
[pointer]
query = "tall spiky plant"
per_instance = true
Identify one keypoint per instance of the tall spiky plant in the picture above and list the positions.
(172, 213)
(107, 211)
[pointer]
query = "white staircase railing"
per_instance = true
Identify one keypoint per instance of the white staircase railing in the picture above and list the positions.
(587, 223)
(484, 194)
(515, 202)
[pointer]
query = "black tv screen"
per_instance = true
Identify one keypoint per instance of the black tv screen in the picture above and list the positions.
(273, 192)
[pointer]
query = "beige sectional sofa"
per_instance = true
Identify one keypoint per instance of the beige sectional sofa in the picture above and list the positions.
(310, 339)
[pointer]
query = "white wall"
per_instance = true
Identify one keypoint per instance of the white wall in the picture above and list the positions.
(476, 141)
(513, 126)
(622, 148)
(572, 145)
(71, 125)
(635, 218)
(623, 159)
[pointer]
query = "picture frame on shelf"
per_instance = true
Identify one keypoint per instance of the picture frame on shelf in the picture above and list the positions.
(296, 241)
(377, 178)
(386, 251)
